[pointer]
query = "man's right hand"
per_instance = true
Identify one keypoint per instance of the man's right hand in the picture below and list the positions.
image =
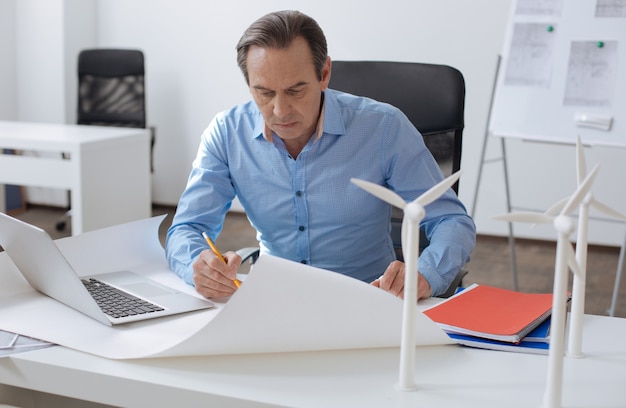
(214, 278)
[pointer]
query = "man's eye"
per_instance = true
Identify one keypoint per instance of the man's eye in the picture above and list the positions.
(265, 93)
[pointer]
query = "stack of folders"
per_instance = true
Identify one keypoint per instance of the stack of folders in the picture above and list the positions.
(496, 319)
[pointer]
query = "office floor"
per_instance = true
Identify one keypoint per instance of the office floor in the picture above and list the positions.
(490, 262)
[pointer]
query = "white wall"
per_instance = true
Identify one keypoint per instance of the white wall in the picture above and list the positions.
(48, 37)
(40, 76)
(8, 88)
(40, 61)
(192, 75)
(8, 70)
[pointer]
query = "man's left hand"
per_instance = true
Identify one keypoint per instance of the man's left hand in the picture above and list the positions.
(393, 281)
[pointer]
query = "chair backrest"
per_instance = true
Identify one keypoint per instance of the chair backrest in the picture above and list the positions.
(111, 90)
(431, 96)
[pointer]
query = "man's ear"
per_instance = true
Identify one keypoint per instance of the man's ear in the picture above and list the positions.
(326, 73)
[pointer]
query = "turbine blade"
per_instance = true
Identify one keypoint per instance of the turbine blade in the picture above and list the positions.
(580, 193)
(381, 192)
(581, 167)
(528, 217)
(437, 190)
(608, 210)
(571, 259)
(556, 207)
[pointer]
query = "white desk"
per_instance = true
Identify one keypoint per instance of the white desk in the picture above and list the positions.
(447, 376)
(107, 173)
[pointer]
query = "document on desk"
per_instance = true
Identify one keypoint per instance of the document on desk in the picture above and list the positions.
(282, 306)
(12, 343)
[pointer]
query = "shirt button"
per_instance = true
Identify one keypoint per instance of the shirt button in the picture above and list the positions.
(304, 261)
(299, 193)
(301, 228)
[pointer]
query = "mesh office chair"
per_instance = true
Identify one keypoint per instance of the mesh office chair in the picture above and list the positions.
(431, 96)
(111, 92)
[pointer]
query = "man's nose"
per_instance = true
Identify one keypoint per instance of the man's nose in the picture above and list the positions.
(282, 106)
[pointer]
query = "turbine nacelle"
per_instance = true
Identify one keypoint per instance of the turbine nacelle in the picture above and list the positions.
(564, 224)
(414, 212)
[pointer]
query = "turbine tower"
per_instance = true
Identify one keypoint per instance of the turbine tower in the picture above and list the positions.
(565, 256)
(413, 214)
(574, 346)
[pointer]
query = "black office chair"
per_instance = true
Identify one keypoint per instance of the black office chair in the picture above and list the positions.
(431, 96)
(111, 92)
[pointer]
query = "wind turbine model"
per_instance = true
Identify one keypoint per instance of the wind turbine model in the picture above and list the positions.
(413, 214)
(574, 345)
(565, 257)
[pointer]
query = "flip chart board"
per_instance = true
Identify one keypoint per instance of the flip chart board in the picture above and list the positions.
(563, 73)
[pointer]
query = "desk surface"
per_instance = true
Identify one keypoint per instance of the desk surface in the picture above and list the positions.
(107, 169)
(447, 376)
(58, 137)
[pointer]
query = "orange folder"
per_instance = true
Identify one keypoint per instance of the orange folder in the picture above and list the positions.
(492, 313)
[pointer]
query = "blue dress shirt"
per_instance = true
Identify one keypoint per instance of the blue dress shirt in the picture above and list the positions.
(306, 209)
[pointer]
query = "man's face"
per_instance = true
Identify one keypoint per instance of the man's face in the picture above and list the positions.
(287, 90)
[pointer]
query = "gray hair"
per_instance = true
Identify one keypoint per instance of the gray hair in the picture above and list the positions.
(278, 30)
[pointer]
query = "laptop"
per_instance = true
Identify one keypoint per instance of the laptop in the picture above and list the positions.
(45, 268)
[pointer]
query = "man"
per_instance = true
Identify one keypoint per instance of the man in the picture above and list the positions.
(289, 155)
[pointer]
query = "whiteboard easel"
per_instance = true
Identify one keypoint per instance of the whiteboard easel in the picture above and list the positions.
(559, 72)
(546, 104)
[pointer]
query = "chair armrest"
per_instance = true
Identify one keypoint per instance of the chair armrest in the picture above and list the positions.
(249, 253)
(152, 143)
(455, 284)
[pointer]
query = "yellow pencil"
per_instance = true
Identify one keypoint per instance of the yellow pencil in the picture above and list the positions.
(216, 252)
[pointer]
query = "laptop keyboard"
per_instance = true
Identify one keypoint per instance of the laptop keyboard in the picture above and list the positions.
(117, 303)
